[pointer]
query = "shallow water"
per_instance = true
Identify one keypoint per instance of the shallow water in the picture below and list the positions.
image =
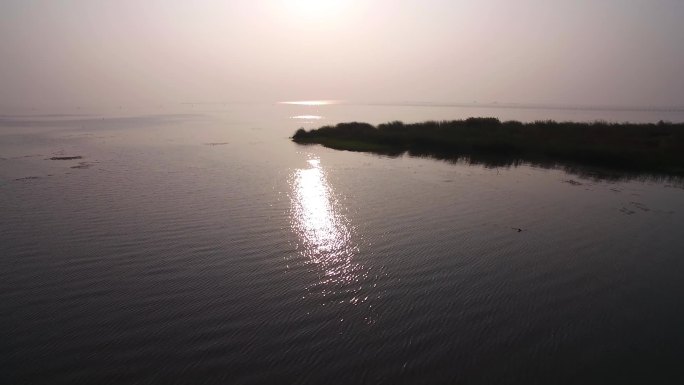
(203, 246)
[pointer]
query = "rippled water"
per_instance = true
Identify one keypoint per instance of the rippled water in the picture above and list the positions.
(205, 247)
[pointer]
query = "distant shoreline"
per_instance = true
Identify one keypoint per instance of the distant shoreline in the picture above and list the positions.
(533, 106)
(655, 148)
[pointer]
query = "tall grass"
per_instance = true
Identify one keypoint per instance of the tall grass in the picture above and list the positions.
(656, 148)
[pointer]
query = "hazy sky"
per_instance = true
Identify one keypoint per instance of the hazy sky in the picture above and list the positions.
(608, 52)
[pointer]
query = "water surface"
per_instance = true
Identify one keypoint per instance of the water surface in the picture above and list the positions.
(202, 246)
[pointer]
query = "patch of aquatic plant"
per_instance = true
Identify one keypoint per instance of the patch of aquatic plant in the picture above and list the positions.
(66, 157)
(653, 148)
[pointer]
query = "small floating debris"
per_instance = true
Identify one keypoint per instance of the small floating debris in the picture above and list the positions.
(640, 206)
(572, 182)
(518, 229)
(216, 144)
(27, 178)
(83, 165)
(66, 157)
(21, 157)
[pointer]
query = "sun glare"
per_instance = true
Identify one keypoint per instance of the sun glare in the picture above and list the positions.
(315, 9)
(311, 103)
(325, 235)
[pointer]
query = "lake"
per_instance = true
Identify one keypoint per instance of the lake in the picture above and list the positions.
(197, 244)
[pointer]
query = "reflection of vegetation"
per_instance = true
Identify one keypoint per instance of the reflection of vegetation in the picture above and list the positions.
(626, 147)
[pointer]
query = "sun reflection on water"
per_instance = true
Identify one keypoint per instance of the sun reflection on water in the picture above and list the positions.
(307, 117)
(325, 235)
(311, 103)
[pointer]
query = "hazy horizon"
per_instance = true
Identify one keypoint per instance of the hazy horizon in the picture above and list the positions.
(82, 53)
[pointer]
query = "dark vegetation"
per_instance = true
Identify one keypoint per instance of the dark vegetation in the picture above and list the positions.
(656, 149)
(66, 157)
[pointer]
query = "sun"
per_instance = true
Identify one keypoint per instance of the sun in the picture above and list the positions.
(315, 9)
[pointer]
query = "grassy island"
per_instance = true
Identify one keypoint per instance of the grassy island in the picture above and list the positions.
(641, 148)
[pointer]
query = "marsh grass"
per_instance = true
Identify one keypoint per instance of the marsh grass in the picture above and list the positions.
(650, 148)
